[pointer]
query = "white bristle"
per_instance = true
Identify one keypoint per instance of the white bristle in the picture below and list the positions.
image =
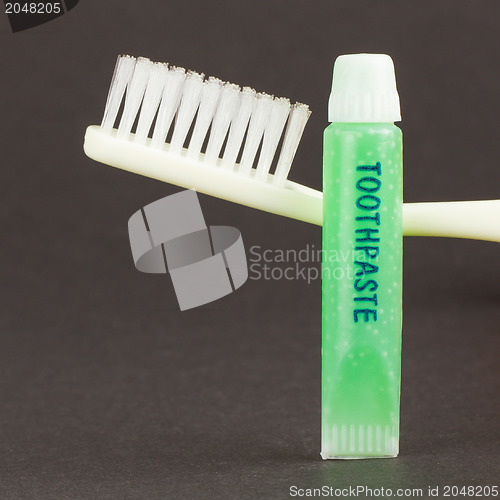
(170, 99)
(209, 99)
(258, 121)
(296, 123)
(272, 134)
(151, 101)
(238, 128)
(224, 114)
(240, 121)
(135, 93)
(191, 95)
(121, 77)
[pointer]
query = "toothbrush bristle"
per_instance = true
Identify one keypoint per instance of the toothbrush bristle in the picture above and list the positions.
(172, 91)
(122, 75)
(238, 127)
(190, 100)
(151, 101)
(238, 122)
(209, 98)
(224, 114)
(295, 127)
(272, 133)
(135, 93)
(258, 121)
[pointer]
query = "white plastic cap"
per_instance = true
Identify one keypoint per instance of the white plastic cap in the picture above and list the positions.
(364, 90)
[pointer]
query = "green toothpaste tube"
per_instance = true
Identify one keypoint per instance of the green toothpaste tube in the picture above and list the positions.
(362, 261)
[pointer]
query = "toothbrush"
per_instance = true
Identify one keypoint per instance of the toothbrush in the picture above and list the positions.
(233, 123)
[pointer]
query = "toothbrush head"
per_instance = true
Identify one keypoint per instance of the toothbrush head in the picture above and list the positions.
(202, 133)
(227, 122)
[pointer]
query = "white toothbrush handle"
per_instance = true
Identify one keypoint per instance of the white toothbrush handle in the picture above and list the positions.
(479, 220)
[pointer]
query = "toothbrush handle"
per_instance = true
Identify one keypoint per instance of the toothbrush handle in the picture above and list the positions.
(479, 220)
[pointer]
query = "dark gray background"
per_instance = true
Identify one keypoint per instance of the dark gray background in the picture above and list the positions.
(107, 389)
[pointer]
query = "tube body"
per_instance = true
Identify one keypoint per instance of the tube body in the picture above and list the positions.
(362, 290)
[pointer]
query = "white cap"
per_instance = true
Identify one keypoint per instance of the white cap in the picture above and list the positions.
(364, 90)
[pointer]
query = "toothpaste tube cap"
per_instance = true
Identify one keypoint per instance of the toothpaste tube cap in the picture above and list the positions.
(364, 90)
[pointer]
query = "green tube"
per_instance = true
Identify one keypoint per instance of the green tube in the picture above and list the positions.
(362, 286)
